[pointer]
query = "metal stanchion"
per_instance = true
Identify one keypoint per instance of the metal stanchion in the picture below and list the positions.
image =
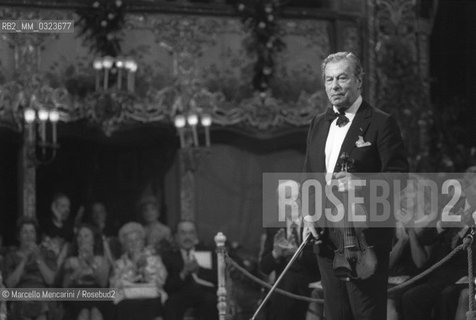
(220, 240)
(468, 241)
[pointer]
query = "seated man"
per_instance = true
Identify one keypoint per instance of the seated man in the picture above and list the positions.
(58, 227)
(192, 276)
(59, 224)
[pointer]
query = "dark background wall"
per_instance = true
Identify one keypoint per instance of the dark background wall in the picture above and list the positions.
(9, 142)
(453, 68)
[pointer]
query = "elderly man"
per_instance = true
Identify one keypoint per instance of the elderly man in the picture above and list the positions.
(372, 140)
(192, 276)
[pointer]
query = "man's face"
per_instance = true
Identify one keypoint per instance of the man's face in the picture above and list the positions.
(186, 236)
(61, 208)
(98, 213)
(342, 86)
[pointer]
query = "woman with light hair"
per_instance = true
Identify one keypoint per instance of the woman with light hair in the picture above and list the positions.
(139, 275)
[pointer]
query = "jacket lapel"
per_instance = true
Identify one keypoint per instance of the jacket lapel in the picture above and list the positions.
(357, 128)
(321, 139)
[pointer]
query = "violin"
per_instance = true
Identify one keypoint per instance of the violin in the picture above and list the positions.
(353, 257)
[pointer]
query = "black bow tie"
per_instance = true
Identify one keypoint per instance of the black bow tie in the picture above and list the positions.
(342, 120)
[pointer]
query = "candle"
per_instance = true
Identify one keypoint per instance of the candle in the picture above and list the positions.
(43, 117)
(97, 65)
(206, 121)
(119, 78)
(179, 123)
(54, 117)
(192, 120)
(43, 131)
(53, 133)
(98, 79)
(207, 136)
(182, 137)
(107, 63)
(31, 137)
(133, 68)
(30, 116)
(119, 65)
(195, 136)
(106, 78)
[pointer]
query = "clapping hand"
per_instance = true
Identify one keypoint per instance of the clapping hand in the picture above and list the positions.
(283, 247)
(87, 257)
(401, 232)
(190, 266)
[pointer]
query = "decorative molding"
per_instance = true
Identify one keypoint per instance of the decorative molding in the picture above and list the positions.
(213, 8)
(187, 59)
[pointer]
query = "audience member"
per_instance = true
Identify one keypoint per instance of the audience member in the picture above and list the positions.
(192, 276)
(279, 246)
(155, 231)
(138, 269)
(59, 225)
(87, 268)
(99, 219)
(419, 301)
(31, 266)
(58, 228)
(408, 256)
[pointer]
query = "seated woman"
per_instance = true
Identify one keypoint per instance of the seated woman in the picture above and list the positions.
(31, 266)
(424, 297)
(87, 268)
(99, 218)
(141, 276)
(408, 255)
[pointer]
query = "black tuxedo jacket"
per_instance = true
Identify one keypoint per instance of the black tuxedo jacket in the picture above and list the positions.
(384, 154)
(174, 263)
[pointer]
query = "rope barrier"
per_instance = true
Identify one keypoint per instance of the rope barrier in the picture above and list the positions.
(267, 285)
(405, 284)
(427, 271)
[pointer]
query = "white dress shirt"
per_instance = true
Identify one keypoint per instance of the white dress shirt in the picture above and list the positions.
(337, 135)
